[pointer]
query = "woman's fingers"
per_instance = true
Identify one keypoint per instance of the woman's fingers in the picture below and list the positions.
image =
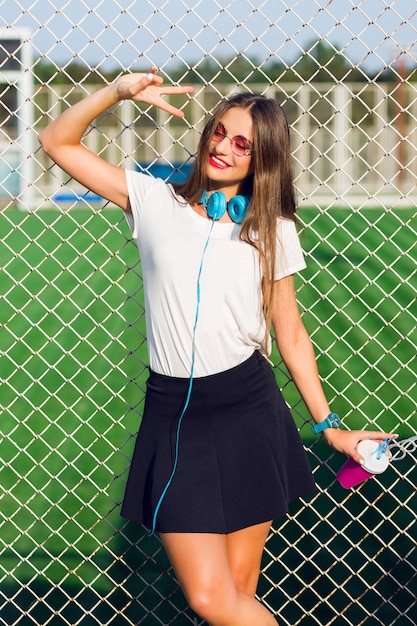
(148, 89)
(346, 441)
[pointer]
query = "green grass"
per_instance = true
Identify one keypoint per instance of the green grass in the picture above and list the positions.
(73, 368)
(73, 372)
(358, 300)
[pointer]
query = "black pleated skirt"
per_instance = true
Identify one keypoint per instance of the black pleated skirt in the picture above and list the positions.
(240, 460)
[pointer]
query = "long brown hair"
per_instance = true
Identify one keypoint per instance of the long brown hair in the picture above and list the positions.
(270, 186)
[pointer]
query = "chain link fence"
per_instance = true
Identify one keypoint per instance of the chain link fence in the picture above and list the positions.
(72, 336)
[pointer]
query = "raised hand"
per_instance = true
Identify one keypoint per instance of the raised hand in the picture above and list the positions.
(148, 88)
(62, 139)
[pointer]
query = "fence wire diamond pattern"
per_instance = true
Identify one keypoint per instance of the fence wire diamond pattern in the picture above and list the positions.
(72, 337)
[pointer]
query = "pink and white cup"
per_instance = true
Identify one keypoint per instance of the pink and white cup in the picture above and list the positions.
(376, 460)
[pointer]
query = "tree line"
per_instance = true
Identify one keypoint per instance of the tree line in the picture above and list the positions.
(319, 62)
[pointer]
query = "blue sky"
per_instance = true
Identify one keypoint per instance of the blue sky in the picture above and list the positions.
(136, 33)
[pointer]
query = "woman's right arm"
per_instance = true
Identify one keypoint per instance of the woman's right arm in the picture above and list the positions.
(61, 140)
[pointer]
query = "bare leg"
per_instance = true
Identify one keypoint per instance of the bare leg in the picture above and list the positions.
(213, 570)
(245, 548)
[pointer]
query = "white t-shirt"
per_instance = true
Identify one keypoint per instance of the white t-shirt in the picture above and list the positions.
(172, 241)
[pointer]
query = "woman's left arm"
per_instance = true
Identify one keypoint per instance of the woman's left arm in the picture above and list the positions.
(296, 350)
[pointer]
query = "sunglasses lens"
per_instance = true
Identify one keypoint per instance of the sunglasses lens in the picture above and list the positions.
(240, 145)
(219, 134)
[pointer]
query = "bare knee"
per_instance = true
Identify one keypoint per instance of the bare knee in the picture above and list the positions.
(246, 580)
(210, 602)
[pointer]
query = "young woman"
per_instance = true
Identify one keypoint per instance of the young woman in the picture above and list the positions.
(217, 456)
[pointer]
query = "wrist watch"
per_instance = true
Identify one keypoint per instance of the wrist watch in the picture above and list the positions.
(331, 421)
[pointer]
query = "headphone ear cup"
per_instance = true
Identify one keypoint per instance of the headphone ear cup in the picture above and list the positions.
(237, 208)
(216, 205)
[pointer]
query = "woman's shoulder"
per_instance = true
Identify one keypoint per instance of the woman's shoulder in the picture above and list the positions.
(145, 187)
(139, 179)
(286, 228)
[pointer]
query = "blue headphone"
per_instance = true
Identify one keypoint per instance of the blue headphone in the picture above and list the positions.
(216, 206)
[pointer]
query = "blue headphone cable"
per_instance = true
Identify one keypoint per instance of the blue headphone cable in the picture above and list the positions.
(190, 386)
